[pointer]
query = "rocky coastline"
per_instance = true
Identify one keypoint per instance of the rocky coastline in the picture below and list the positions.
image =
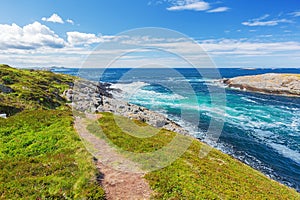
(94, 97)
(271, 83)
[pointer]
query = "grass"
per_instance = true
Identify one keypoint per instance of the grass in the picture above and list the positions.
(32, 89)
(216, 176)
(42, 157)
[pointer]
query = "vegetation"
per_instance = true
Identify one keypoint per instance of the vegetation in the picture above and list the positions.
(217, 176)
(31, 90)
(41, 155)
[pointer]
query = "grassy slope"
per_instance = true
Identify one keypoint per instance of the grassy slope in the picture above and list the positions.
(41, 155)
(32, 90)
(217, 176)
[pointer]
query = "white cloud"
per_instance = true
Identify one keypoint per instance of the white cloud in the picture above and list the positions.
(261, 21)
(55, 18)
(31, 36)
(77, 38)
(70, 21)
(85, 39)
(295, 14)
(242, 47)
(189, 5)
(37, 45)
(219, 9)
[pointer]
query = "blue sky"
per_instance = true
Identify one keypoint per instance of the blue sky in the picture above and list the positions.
(235, 33)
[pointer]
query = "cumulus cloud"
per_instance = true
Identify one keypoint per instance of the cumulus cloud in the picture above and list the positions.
(189, 5)
(31, 36)
(55, 18)
(219, 9)
(262, 21)
(70, 21)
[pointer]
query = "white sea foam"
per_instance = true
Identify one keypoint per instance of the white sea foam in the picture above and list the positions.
(134, 91)
(129, 87)
(248, 100)
(286, 152)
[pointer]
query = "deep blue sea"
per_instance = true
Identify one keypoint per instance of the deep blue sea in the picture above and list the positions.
(261, 130)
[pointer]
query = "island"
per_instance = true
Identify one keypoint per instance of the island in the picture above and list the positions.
(270, 83)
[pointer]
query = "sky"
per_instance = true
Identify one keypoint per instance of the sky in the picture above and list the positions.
(233, 33)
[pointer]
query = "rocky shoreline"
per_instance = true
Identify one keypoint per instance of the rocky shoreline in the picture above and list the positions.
(271, 83)
(93, 97)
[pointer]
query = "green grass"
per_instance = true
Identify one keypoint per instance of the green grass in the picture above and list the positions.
(217, 176)
(42, 157)
(32, 89)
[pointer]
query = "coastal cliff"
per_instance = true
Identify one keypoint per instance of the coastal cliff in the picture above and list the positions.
(278, 84)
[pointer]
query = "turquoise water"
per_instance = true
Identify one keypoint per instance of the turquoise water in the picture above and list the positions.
(262, 131)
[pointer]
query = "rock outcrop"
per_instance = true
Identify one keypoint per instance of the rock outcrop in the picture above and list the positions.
(92, 97)
(5, 89)
(278, 84)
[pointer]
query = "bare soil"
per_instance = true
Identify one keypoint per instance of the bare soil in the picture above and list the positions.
(120, 177)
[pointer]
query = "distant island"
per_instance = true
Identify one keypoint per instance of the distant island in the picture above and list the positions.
(271, 83)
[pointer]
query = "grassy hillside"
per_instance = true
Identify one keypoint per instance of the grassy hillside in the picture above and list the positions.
(31, 90)
(41, 155)
(217, 176)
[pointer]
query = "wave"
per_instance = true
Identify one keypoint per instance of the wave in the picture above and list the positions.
(137, 92)
(286, 152)
(249, 100)
(129, 87)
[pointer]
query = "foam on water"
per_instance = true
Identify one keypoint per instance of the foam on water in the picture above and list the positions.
(249, 100)
(287, 152)
(136, 92)
(129, 87)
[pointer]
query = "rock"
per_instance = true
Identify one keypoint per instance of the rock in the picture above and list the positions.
(91, 97)
(5, 89)
(68, 94)
(279, 84)
(3, 116)
(160, 123)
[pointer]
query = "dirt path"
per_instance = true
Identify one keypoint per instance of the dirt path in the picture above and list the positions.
(121, 178)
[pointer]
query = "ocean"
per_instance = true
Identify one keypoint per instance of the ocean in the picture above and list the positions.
(260, 130)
